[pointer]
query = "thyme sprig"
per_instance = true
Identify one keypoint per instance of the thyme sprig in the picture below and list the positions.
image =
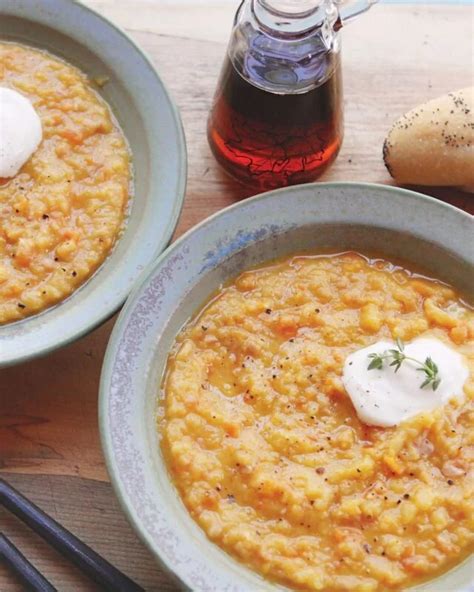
(397, 357)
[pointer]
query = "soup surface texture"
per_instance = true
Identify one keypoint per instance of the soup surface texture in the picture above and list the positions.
(266, 449)
(61, 214)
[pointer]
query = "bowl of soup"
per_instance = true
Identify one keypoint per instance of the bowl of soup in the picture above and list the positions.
(97, 196)
(287, 398)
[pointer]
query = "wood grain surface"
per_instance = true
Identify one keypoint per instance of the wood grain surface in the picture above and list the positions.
(394, 58)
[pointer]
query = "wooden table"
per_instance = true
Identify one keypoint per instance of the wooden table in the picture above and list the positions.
(394, 57)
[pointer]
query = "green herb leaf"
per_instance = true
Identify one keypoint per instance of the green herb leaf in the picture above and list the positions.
(400, 344)
(397, 364)
(431, 365)
(376, 363)
(396, 357)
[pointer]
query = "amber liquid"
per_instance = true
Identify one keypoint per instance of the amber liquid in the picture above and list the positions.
(270, 140)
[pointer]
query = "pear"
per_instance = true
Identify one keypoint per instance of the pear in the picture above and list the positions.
(433, 144)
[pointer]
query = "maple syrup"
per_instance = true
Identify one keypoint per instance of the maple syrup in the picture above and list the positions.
(270, 139)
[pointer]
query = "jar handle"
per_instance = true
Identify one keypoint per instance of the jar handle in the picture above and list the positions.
(350, 9)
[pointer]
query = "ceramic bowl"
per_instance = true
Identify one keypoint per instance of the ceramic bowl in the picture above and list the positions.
(153, 128)
(336, 216)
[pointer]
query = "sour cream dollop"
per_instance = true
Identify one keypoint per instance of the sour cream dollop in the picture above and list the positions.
(385, 398)
(20, 131)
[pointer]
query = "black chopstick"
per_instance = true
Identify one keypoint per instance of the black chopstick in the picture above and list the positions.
(88, 561)
(26, 572)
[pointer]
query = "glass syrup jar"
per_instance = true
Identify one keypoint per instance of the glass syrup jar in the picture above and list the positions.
(277, 116)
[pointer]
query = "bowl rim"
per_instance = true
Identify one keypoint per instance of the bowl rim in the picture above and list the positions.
(136, 294)
(162, 242)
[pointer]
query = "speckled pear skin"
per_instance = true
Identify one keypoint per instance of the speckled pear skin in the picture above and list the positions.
(433, 144)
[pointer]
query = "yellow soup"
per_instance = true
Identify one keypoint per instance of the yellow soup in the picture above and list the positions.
(61, 214)
(265, 447)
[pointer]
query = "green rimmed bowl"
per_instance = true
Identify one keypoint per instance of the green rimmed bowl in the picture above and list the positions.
(153, 129)
(338, 216)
